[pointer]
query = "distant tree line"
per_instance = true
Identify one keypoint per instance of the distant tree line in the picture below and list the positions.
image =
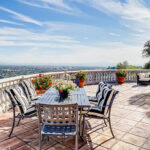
(124, 65)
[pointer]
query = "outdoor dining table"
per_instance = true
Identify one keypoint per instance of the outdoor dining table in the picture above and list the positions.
(79, 96)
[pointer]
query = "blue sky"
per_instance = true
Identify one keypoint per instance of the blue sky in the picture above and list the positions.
(80, 32)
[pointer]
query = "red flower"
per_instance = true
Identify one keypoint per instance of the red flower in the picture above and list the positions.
(50, 83)
(60, 91)
(32, 81)
(40, 75)
(41, 81)
(40, 88)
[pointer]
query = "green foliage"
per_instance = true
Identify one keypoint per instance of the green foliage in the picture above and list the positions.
(42, 82)
(146, 49)
(147, 65)
(121, 73)
(133, 67)
(123, 65)
(81, 75)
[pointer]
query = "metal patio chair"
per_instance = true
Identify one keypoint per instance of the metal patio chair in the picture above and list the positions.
(94, 99)
(20, 101)
(103, 109)
(58, 120)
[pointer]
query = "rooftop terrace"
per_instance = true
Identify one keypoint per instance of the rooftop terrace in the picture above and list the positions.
(130, 122)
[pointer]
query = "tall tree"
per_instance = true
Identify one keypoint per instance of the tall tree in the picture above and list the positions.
(146, 49)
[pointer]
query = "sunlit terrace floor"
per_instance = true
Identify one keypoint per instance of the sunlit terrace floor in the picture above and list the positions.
(130, 120)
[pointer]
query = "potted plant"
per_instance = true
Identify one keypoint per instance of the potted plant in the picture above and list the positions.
(81, 76)
(121, 74)
(42, 83)
(64, 87)
(75, 80)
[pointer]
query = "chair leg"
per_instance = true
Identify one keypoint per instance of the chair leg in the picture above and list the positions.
(19, 121)
(13, 124)
(40, 142)
(76, 142)
(105, 122)
(83, 127)
(111, 127)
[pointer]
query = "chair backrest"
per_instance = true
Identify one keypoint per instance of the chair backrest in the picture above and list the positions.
(20, 97)
(30, 88)
(106, 100)
(26, 91)
(101, 85)
(58, 114)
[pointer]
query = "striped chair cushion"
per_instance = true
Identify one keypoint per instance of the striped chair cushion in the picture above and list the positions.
(26, 92)
(101, 85)
(20, 97)
(104, 100)
(30, 88)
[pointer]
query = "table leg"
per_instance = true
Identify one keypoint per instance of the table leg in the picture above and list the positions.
(80, 125)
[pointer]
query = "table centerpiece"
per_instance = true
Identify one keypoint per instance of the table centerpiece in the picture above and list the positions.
(64, 88)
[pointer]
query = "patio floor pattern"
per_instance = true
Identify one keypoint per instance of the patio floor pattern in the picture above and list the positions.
(130, 122)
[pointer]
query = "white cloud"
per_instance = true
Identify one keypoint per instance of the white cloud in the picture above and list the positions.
(9, 22)
(114, 34)
(55, 5)
(21, 17)
(134, 13)
(22, 37)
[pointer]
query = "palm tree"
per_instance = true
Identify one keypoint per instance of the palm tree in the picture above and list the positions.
(146, 49)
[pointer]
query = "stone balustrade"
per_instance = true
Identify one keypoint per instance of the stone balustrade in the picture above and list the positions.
(93, 77)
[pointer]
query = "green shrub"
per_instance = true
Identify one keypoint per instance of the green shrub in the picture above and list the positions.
(121, 73)
(147, 65)
(81, 75)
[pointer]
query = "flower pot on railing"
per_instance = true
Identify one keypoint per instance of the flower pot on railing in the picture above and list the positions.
(120, 79)
(42, 83)
(81, 83)
(81, 76)
(121, 74)
(39, 92)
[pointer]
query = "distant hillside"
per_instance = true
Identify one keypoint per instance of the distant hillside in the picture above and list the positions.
(16, 70)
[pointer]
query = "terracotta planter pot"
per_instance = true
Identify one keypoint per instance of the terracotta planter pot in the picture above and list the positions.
(39, 92)
(120, 79)
(81, 83)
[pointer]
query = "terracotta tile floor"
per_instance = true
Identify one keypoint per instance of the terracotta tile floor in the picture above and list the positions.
(130, 121)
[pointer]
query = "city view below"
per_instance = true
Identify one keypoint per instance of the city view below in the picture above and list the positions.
(17, 70)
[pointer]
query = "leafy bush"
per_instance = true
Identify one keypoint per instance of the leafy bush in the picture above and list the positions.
(42, 82)
(146, 49)
(81, 75)
(147, 65)
(123, 65)
(121, 73)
